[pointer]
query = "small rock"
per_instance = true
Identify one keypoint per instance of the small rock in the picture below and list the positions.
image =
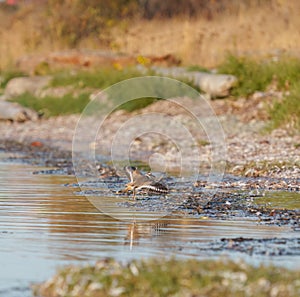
(20, 85)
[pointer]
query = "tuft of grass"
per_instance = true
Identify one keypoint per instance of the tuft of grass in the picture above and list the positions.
(286, 72)
(137, 104)
(257, 76)
(283, 74)
(203, 142)
(287, 112)
(161, 277)
(251, 75)
(54, 106)
(6, 76)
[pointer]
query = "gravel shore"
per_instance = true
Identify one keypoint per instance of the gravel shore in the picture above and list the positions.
(249, 152)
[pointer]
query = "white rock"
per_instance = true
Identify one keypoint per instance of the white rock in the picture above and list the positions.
(214, 85)
(20, 85)
(16, 112)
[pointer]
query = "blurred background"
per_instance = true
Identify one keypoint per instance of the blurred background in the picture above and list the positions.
(198, 32)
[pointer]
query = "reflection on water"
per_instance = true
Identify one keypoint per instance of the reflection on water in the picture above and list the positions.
(45, 226)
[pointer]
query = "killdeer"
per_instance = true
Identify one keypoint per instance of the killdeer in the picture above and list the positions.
(142, 182)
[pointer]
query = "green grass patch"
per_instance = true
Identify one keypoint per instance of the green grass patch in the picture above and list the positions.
(283, 74)
(256, 75)
(6, 76)
(69, 104)
(137, 104)
(287, 112)
(54, 106)
(163, 278)
(101, 79)
(251, 75)
(281, 200)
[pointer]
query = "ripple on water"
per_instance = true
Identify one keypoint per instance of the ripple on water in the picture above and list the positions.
(45, 225)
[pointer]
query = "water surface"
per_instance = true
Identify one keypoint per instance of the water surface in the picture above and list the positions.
(44, 225)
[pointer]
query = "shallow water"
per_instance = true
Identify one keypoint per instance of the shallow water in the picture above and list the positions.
(280, 199)
(44, 225)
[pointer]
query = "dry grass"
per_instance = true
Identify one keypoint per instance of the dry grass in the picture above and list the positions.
(20, 35)
(203, 40)
(255, 31)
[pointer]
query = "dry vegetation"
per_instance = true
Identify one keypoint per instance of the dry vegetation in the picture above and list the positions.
(258, 28)
(255, 32)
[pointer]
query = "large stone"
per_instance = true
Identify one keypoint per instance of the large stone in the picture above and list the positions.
(20, 85)
(214, 85)
(15, 112)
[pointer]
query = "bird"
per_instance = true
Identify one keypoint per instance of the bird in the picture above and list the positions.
(142, 182)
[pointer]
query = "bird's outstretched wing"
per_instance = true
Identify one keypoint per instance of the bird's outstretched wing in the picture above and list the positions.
(141, 182)
(129, 172)
(154, 187)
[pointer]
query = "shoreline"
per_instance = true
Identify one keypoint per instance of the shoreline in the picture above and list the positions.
(250, 153)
